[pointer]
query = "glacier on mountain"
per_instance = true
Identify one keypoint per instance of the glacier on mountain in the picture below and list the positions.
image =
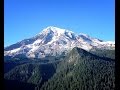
(53, 41)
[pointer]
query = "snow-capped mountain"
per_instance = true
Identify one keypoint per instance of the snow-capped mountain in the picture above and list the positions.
(54, 41)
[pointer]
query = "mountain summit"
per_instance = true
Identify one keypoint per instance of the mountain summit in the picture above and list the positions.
(53, 41)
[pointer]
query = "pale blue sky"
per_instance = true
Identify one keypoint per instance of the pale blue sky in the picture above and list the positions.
(25, 18)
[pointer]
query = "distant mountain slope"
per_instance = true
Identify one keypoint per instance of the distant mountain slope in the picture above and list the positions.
(53, 41)
(82, 70)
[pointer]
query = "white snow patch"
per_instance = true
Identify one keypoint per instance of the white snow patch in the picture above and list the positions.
(31, 55)
(107, 42)
(14, 50)
(29, 45)
(37, 41)
(54, 38)
(70, 35)
(34, 48)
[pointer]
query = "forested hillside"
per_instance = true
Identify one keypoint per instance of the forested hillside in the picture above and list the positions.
(83, 71)
(78, 70)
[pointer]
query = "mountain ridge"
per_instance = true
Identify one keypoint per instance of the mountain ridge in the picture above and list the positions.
(54, 41)
(83, 72)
